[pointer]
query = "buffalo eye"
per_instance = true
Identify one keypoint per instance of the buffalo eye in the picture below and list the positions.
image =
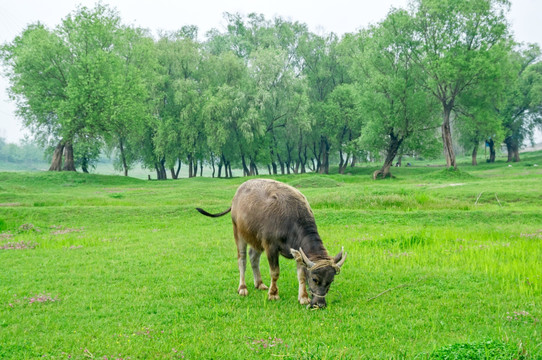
(316, 281)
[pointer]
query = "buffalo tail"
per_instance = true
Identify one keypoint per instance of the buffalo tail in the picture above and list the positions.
(213, 215)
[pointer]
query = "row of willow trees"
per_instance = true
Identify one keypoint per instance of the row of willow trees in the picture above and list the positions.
(271, 95)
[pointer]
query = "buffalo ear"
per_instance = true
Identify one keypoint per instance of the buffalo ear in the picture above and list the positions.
(301, 258)
(340, 258)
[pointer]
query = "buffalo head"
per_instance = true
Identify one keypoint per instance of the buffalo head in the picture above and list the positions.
(319, 274)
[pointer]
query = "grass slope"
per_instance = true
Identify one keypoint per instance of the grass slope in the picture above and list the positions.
(109, 267)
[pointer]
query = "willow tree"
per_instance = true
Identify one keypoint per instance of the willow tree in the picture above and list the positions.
(227, 103)
(60, 79)
(344, 122)
(521, 107)
(129, 104)
(397, 106)
(280, 101)
(323, 70)
(177, 125)
(460, 43)
(38, 71)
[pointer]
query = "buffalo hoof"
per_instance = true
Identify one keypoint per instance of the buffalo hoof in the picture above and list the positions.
(273, 297)
(243, 291)
(261, 286)
(304, 300)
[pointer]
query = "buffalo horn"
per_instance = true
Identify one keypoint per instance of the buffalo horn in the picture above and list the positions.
(343, 257)
(306, 259)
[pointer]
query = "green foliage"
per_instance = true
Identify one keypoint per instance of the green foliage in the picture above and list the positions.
(269, 93)
(400, 114)
(462, 43)
(20, 155)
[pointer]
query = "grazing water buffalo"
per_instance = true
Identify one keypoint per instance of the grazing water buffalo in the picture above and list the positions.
(274, 217)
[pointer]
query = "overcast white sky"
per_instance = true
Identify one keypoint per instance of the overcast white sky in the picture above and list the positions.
(338, 16)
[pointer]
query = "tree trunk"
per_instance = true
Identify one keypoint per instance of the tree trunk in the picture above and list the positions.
(509, 150)
(447, 138)
(192, 166)
(393, 148)
(324, 151)
(123, 157)
(220, 164)
(281, 163)
(172, 171)
(228, 167)
(273, 163)
(399, 160)
(344, 164)
(516, 154)
(246, 171)
(253, 168)
(303, 160)
(84, 164)
(491, 144)
(316, 158)
(313, 167)
(354, 160)
(341, 161)
(512, 148)
(69, 162)
(301, 155)
(163, 169)
(213, 165)
(178, 169)
(474, 153)
(56, 163)
(289, 161)
(161, 173)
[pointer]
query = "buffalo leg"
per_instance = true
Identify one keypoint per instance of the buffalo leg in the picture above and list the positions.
(241, 262)
(302, 295)
(255, 263)
(273, 258)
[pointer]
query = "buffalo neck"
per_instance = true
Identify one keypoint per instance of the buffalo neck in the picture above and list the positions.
(309, 240)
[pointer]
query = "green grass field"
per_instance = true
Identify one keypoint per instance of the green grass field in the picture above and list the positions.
(106, 267)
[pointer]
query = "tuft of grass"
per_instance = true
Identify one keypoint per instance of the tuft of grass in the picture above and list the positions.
(451, 173)
(314, 181)
(491, 349)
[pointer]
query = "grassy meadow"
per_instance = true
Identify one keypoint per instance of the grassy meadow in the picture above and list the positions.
(441, 265)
